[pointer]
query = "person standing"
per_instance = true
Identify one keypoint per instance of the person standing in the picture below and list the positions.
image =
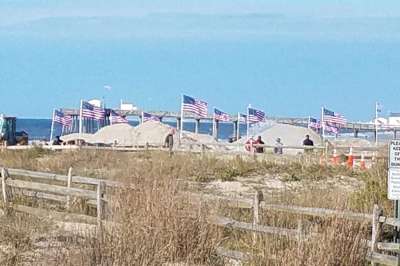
(259, 141)
(278, 149)
(169, 141)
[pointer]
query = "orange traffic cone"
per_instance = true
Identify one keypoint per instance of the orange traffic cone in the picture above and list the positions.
(362, 164)
(350, 158)
(335, 158)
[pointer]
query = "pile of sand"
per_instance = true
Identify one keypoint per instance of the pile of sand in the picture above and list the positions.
(118, 134)
(355, 142)
(289, 135)
(72, 138)
(188, 137)
(151, 132)
(199, 139)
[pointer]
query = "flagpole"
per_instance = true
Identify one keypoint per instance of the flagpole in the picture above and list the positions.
(52, 127)
(247, 122)
(214, 125)
(80, 120)
(238, 128)
(181, 126)
(323, 123)
(376, 124)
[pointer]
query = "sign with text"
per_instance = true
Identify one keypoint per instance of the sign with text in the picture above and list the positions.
(394, 171)
(394, 154)
(394, 184)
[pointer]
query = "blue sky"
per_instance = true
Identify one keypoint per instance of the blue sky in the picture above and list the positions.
(286, 57)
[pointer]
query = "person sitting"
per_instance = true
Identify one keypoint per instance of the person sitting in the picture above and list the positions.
(308, 142)
(259, 141)
(278, 146)
(57, 141)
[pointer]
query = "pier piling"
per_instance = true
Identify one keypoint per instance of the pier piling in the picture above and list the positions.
(197, 126)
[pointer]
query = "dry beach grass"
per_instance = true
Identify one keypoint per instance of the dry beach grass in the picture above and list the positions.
(156, 227)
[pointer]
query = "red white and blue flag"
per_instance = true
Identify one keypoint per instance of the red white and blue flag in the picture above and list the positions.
(331, 128)
(91, 111)
(116, 118)
(63, 119)
(242, 118)
(255, 116)
(333, 118)
(221, 116)
(314, 123)
(194, 106)
(149, 117)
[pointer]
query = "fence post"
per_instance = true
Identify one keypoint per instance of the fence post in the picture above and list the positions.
(258, 197)
(203, 150)
(100, 203)
(4, 189)
(170, 146)
(326, 152)
(376, 229)
(300, 231)
(69, 182)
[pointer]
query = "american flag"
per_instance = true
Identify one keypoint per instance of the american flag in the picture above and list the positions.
(255, 116)
(314, 123)
(116, 118)
(378, 107)
(61, 118)
(333, 118)
(242, 118)
(331, 128)
(149, 117)
(195, 106)
(221, 116)
(91, 111)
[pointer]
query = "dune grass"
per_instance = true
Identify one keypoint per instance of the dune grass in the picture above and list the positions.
(157, 228)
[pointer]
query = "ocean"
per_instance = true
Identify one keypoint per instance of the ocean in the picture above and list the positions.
(39, 129)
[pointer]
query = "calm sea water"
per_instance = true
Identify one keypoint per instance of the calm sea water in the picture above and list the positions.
(39, 129)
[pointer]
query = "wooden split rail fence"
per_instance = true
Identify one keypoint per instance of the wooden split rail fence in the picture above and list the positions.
(37, 185)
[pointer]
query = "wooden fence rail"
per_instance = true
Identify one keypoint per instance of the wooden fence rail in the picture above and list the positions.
(317, 212)
(378, 221)
(62, 178)
(187, 146)
(97, 198)
(53, 192)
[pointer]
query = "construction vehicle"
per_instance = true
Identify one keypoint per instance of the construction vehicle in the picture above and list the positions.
(9, 134)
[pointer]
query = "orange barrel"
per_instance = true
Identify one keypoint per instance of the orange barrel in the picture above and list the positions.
(335, 158)
(350, 158)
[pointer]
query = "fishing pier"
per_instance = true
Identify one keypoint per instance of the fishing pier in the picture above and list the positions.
(355, 127)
